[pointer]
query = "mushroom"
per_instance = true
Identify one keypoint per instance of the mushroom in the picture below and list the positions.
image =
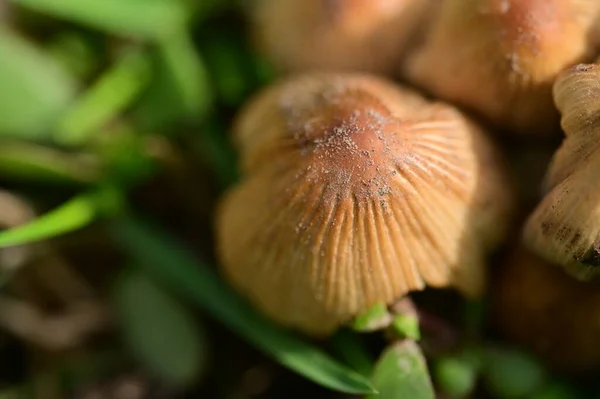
(540, 307)
(500, 58)
(565, 227)
(355, 192)
(363, 35)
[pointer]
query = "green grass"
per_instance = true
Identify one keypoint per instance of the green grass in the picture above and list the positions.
(155, 83)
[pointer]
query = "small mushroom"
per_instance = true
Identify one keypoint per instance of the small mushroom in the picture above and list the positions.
(356, 192)
(565, 227)
(539, 306)
(500, 58)
(363, 35)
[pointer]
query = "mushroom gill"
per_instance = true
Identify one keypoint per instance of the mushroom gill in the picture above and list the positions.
(355, 193)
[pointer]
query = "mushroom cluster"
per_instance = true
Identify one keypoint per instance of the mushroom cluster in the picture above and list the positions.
(352, 35)
(500, 57)
(357, 191)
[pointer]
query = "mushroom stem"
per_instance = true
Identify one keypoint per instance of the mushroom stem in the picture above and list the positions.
(55, 333)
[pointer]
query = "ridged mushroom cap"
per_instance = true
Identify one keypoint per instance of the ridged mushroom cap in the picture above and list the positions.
(541, 307)
(355, 193)
(565, 227)
(501, 57)
(362, 35)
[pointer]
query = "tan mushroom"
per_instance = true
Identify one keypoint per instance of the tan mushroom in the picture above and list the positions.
(500, 57)
(363, 35)
(355, 193)
(565, 227)
(539, 306)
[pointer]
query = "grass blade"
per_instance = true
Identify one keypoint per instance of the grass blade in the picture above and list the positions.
(33, 162)
(35, 90)
(180, 90)
(106, 99)
(188, 74)
(72, 215)
(176, 266)
(147, 19)
(350, 348)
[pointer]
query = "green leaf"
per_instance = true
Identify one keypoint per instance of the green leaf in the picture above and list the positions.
(160, 331)
(33, 162)
(377, 317)
(351, 349)
(511, 373)
(173, 264)
(113, 92)
(456, 376)
(72, 215)
(407, 326)
(401, 373)
(35, 90)
(147, 19)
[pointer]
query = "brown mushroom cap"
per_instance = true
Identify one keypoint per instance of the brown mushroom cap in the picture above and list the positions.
(501, 57)
(565, 227)
(541, 307)
(356, 192)
(364, 35)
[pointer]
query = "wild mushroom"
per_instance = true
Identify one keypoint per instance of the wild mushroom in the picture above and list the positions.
(355, 193)
(565, 227)
(364, 35)
(500, 57)
(540, 307)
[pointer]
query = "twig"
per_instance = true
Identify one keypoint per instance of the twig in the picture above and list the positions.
(55, 333)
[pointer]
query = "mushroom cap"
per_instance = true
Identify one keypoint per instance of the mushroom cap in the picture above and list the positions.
(363, 35)
(539, 306)
(565, 227)
(355, 193)
(500, 57)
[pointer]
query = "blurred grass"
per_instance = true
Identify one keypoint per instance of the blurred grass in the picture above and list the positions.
(116, 89)
(161, 331)
(144, 19)
(28, 161)
(74, 119)
(35, 90)
(72, 215)
(158, 254)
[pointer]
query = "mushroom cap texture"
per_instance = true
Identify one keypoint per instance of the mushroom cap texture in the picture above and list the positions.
(501, 57)
(356, 192)
(362, 35)
(565, 227)
(541, 307)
